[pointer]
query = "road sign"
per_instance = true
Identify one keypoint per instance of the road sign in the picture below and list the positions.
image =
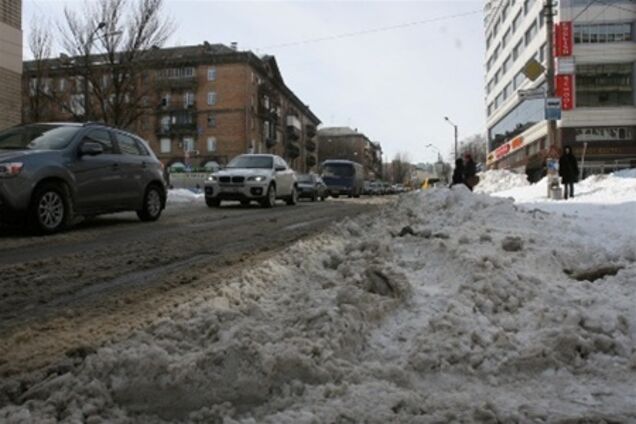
(533, 93)
(533, 69)
(553, 108)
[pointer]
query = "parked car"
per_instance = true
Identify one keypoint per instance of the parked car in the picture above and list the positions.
(263, 178)
(311, 186)
(376, 188)
(343, 177)
(367, 188)
(53, 172)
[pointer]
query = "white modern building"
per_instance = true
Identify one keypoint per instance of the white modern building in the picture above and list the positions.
(10, 62)
(595, 56)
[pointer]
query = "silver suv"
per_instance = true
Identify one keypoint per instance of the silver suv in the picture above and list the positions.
(263, 178)
(54, 172)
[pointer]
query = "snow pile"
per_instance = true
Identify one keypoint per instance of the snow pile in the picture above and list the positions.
(449, 307)
(498, 180)
(182, 195)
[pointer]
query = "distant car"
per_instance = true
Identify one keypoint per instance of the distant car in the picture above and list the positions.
(367, 188)
(343, 177)
(311, 186)
(376, 188)
(253, 177)
(53, 172)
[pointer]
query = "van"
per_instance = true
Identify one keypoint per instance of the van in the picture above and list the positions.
(343, 177)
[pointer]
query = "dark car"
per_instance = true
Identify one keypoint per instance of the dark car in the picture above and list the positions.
(311, 186)
(51, 173)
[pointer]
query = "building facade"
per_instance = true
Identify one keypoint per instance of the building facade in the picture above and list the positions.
(595, 67)
(349, 144)
(10, 62)
(204, 105)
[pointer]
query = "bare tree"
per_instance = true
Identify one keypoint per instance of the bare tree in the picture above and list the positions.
(39, 87)
(124, 34)
(400, 168)
(477, 146)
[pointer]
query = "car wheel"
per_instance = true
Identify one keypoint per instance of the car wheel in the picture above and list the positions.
(293, 197)
(335, 196)
(270, 197)
(212, 203)
(314, 197)
(50, 208)
(152, 206)
(323, 197)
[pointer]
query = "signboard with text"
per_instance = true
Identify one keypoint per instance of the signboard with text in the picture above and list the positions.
(553, 108)
(565, 90)
(563, 41)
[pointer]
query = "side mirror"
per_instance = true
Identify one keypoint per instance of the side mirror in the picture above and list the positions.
(90, 148)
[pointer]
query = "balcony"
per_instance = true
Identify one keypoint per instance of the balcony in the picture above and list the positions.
(310, 130)
(177, 129)
(310, 160)
(177, 83)
(293, 150)
(175, 105)
(270, 142)
(293, 127)
(310, 144)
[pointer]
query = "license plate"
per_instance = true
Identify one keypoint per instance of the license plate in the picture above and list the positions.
(231, 189)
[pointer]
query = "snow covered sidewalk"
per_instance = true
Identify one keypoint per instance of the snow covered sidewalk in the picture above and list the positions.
(449, 306)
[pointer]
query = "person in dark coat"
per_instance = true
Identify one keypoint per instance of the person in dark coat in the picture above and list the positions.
(568, 171)
(470, 172)
(458, 173)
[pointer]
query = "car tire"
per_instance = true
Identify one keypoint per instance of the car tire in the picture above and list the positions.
(270, 197)
(323, 197)
(335, 196)
(293, 197)
(153, 204)
(50, 210)
(212, 203)
(314, 197)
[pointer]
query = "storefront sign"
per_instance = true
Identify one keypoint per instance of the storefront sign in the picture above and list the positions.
(516, 143)
(502, 151)
(563, 43)
(565, 90)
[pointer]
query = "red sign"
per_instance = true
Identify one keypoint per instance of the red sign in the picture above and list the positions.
(502, 150)
(563, 41)
(516, 143)
(565, 90)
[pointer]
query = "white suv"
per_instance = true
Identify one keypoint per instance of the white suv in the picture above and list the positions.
(263, 178)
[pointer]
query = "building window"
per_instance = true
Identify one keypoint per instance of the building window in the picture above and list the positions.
(212, 98)
(508, 90)
(543, 53)
(517, 50)
(604, 85)
(506, 38)
(164, 122)
(77, 104)
(188, 144)
(166, 145)
(211, 120)
(531, 32)
(212, 73)
(165, 100)
(211, 144)
(516, 21)
(62, 84)
(517, 120)
(507, 64)
(602, 33)
(188, 99)
(177, 73)
(519, 79)
(527, 4)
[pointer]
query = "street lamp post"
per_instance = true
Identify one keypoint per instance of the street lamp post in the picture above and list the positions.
(454, 126)
(439, 154)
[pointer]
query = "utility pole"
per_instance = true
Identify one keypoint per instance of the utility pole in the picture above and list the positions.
(548, 13)
(455, 127)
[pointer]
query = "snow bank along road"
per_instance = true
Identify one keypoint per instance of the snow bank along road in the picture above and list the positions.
(105, 277)
(448, 306)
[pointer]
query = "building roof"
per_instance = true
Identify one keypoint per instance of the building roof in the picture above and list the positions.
(339, 132)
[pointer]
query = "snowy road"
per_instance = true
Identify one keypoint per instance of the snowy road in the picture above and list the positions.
(109, 273)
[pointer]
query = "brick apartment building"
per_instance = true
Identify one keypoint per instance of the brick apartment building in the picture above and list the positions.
(10, 62)
(346, 143)
(206, 104)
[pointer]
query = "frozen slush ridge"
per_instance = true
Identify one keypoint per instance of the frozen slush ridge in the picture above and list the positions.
(361, 324)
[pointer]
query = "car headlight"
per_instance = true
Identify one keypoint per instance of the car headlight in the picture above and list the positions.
(212, 178)
(10, 169)
(257, 178)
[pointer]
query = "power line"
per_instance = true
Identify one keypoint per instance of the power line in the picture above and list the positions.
(584, 9)
(370, 31)
(615, 6)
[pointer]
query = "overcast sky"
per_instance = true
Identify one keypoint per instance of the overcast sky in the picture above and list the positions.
(395, 86)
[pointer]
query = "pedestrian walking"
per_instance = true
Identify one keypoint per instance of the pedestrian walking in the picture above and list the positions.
(458, 173)
(568, 171)
(470, 172)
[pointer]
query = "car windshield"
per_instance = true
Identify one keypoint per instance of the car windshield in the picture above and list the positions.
(37, 137)
(337, 170)
(305, 178)
(251, 162)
